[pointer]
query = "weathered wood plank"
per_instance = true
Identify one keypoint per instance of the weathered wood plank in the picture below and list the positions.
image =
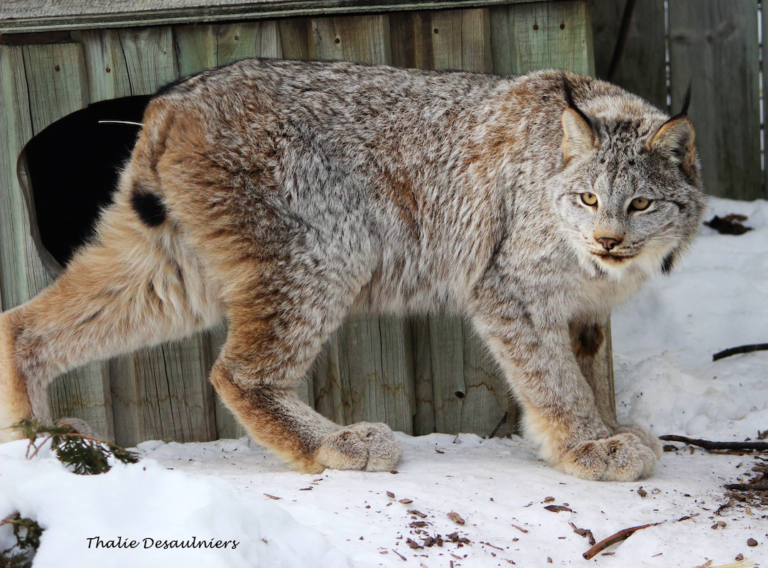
(325, 384)
(17, 130)
(544, 35)
(363, 39)
(374, 359)
(248, 39)
(105, 64)
(764, 90)
(294, 38)
(196, 48)
(714, 46)
(375, 376)
(488, 406)
(642, 69)
(57, 85)
(149, 58)
(424, 418)
(446, 341)
(43, 16)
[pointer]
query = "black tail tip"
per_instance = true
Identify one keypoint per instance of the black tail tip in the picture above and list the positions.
(149, 207)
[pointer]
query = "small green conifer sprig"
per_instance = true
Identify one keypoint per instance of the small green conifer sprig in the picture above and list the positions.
(27, 533)
(85, 454)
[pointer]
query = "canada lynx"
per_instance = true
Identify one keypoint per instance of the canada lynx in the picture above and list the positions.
(283, 195)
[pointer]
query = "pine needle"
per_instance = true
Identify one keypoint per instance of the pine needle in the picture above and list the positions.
(27, 533)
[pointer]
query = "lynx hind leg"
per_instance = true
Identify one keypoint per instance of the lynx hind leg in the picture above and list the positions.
(271, 344)
(589, 345)
(14, 400)
(135, 285)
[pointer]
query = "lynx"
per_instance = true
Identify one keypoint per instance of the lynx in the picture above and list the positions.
(284, 195)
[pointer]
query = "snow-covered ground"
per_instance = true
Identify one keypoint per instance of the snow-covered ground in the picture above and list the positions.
(663, 343)
(664, 338)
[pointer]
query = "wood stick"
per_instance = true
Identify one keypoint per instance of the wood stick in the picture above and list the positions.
(709, 445)
(624, 535)
(499, 425)
(739, 350)
(747, 486)
(613, 539)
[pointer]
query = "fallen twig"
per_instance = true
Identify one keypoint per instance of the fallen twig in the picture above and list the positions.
(747, 486)
(499, 425)
(400, 555)
(709, 445)
(491, 545)
(739, 350)
(586, 533)
(624, 535)
(613, 539)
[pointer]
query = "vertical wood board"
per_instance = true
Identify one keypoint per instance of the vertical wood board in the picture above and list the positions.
(642, 68)
(55, 85)
(714, 47)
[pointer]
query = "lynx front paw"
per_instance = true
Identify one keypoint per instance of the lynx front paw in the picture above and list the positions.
(622, 457)
(366, 446)
(648, 439)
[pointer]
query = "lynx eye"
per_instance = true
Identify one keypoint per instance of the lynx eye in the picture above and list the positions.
(640, 204)
(589, 199)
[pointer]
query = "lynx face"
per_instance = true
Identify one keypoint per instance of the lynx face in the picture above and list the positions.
(630, 192)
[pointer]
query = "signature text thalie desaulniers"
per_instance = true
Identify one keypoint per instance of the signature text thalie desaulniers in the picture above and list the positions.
(148, 542)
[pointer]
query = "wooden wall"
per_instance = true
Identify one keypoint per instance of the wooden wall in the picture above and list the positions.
(713, 45)
(419, 375)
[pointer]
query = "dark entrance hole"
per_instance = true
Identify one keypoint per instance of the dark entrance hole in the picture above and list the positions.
(73, 168)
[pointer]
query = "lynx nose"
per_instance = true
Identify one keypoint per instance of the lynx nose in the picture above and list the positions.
(608, 242)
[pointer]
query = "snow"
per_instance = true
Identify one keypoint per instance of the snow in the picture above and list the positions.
(663, 341)
(153, 506)
(664, 338)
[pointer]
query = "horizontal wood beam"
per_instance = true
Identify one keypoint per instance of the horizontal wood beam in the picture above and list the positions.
(82, 14)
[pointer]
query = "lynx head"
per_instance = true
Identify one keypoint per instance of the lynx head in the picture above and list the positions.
(630, 190)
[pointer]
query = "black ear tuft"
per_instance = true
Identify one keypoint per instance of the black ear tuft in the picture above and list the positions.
(686, 103)
(572, 105)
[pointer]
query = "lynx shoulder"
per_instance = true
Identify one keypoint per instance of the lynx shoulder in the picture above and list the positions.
(283, 195)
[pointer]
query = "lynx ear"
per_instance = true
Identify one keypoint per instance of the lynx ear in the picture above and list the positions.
(579, 135)
(675, 138)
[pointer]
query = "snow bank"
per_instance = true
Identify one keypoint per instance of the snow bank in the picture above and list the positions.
(158, 509)
(664, 338)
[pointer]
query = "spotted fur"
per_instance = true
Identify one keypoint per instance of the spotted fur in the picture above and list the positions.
(294, 193)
